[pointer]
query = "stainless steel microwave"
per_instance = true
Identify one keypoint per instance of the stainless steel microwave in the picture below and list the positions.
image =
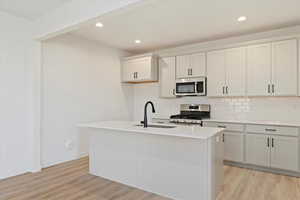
(191, 87)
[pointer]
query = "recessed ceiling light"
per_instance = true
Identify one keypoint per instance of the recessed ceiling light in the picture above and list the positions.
(99, 24)
(138, 41)
(242, 18)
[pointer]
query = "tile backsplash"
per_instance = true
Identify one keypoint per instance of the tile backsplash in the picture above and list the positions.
(286, 109)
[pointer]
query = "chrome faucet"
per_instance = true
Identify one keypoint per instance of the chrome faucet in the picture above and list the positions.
(145, 113)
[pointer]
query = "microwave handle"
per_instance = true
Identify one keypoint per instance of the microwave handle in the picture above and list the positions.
(196, 86)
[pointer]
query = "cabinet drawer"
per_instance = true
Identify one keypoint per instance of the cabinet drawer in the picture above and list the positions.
(227, 126)
(275, 130)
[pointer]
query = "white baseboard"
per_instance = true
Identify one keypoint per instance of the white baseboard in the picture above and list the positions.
(263, 169)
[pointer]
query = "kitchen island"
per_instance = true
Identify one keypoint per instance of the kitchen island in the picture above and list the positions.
(179, 162)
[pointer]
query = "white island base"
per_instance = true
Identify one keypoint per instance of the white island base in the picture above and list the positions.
(181, 168)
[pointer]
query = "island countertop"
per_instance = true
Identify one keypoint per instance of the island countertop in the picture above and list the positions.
(195, 132)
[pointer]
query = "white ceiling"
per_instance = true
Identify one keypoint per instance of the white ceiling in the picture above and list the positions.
(170, 23)
(29, 9)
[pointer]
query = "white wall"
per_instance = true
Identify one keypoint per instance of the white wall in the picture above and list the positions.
(284, 109)
(16, 101)
(81, 83)
(71, 14)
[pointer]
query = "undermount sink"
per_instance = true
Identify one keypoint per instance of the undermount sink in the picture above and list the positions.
(156, 126)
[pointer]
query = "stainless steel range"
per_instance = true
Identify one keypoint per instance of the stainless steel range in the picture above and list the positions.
(191, 114)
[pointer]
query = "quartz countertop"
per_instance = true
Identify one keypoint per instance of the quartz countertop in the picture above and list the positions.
(255, 122)
(194, 132)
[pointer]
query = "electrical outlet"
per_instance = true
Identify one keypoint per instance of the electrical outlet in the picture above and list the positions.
(69, 144)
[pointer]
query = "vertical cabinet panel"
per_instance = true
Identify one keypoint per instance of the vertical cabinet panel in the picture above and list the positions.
(284, 153)
(128, 70)
(167, 77)
(235, 71)
(143, 68)
(298, 42)
(234, 146)
(284, 68)
(216, 73)
(198, 64)
(257, 150)
(182, 66)
(259, 70)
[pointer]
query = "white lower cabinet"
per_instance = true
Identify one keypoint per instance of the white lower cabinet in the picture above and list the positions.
(268, 146)
(257, 149)
(280, 152)
(233, 139)
(284, 153)
(233, 146)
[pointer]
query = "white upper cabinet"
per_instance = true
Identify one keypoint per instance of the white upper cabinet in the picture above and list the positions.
(189, 66)
(143, 69)
(284, 70)
(235, 60)
(272, 69)
(226, 72)
(259, 70)
(198, 64)
(216, 78)
(182, 67)
(128, 71)
(167, 77)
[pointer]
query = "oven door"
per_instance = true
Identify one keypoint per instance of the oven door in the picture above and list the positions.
(186, 88)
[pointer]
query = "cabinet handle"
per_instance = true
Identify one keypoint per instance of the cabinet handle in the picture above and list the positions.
(270, 130)
(136, 74)
(273, 88)
(226, 89)
(221, 126)
(268, 142)
(269, 88)
(272, 142)
(133, 75)
(174, 92)
(223, 90)
(223, 137)
(191, 71)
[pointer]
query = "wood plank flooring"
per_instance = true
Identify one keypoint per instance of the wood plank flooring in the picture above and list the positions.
(71, 181)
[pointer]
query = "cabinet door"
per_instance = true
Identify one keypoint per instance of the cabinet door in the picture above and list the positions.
(198, 65)
(182, 66)
(128, 71)
(236, 72)
(234, 145)
(216, 73)
(167, 77)
(259, 70)
(285, 68)
(257, 149)
(284, 153)
(143, 69)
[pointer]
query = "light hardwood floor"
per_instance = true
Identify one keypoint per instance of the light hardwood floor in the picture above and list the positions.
(71, 181)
